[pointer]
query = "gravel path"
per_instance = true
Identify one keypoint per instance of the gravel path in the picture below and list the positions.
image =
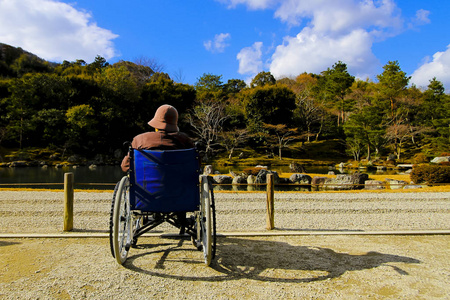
(277, 267)
(42, 212)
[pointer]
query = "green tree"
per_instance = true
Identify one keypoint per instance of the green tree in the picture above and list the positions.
(210, 86)
(50, 124)
(337, 82)
(82, 125)
(234, 86)
(392, 82)
(270, 105)
(263, 79)
(364, 129)
(28, 63)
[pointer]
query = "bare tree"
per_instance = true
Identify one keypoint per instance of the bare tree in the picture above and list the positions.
(207, 118)
(231, 140)
(281, 135)
(400, 133)
(178, 76)
(152, 63)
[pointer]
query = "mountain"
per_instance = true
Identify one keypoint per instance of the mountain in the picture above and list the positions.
(14, 61)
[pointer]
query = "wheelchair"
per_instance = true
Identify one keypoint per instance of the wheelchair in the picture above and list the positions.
(163, 186)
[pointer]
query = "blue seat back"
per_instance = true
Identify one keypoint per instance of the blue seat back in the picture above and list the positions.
(164, 181)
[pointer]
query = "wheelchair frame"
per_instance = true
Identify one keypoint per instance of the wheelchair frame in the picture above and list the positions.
(128, 222)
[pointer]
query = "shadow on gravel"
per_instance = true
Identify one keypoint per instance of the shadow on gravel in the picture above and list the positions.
(271, 261)
(4, 243)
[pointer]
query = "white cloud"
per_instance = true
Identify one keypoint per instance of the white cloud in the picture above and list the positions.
(313, 52)
(252, 4)
(54, 30)
(438, 67)
(342, 30)
(332, 30)
(341, 16)
(250, 62)
(422, 17)
(218, 44)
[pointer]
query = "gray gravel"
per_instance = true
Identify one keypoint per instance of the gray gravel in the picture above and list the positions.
(42, 211)
(274, 267)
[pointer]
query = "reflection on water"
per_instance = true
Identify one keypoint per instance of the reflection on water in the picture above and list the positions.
(82, 175)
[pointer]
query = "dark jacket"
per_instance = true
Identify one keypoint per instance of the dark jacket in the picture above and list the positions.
(159, 140)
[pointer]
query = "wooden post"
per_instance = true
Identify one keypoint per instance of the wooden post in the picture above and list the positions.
(68, 202)
(270, 210)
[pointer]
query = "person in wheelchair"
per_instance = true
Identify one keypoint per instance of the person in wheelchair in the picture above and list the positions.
(167, 136)
(162, 184)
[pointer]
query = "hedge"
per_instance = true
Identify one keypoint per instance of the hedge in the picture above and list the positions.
(430, 174)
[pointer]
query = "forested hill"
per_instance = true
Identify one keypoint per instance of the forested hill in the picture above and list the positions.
(91, 108)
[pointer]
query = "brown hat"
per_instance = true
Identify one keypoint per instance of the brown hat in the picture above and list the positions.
(166, 118)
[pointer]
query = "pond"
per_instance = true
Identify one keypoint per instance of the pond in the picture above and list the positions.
(102, 177)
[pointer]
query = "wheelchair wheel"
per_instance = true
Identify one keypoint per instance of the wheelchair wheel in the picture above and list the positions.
(122, 221)
(111, 219)
(213, 220)
(206, 226)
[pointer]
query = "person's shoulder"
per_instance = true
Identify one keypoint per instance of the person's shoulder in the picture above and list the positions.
(184, 138)
(141, 140)
(145, 134)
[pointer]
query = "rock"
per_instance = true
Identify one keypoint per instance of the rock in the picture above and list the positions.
(347, 182)
(374, 185)
(223, 179)
(239, 180)
(331, 173)
(404, 166)
(208, 170)
(251, 179)
(93, 167)
(261, 177)
(18, 164)
(395, 184)
(392, 157)
(440, 159)
(296, 168)
(412, 186)
(317, 182)
(300, 179)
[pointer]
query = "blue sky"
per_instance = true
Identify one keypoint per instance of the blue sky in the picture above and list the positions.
(239, 38)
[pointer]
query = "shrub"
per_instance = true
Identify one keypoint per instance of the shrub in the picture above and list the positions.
(420, 158)
(445, 154)
(430, 174)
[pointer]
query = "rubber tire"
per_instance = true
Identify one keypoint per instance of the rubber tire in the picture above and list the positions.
(206, 220)
(111, 219)
(122, 221)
